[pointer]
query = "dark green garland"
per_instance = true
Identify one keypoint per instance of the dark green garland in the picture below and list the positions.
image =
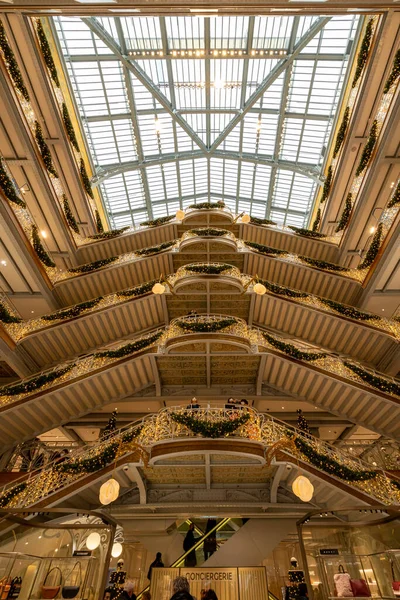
(155, 249)
(69, 127)
(38, 248)
(363, 52)
(109, 235)
(257, 221)
(368, 148)
(322, 264)
(390, 387)
(157, 222)
(206, 269)
(327, 185)
(345, 216)
(9, 189)
(349, 311)
(6, 498)
(394, 73)
(129, 348)
(211, 430)
(310, 233)
(73, 311)
(206, 327)
(292, 350)
(330, 465)
(34, 384)
(395, 199)
(373, 250)
(209, 232)
(69, 215)
(341, 132)
(281, 290)
(86, 181)
(46, 51)
(396, 483)
(138, 290)
(93, 266)
(208, 205)
(317, 220)
(11, 64)
(6, 316)
(99, 224)
(44, 150)
(267, 250)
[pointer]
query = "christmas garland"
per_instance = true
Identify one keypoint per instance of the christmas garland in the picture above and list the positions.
(306, 232)
(11, 64)
(6, 316)
(38, 248)
(73, 311)
(322, 264)
(9, 189)
(368, 148)
(138, 290)
(206, 327)
(69, 215)
(209, 232)
(281, 290)
(206, 269)
(157, 222)
(345, 216)
(257, 221)
(211, 430)
(48, 58)
(93, 266)
(155, 249)
(129, 348)
(86, 182)
(390, 387)
(330, 465)
(44, 150)
(317, 220)
(341, 132)
(395, 199)
(6, 498)
(267, 250)
(109, 235)
(373, 250)
(394, 73)
(34, 384)
(208, 205)
(292, 350)
(363, 53)
(349, 311)
(69, 127)
(327, 185)
(99, 224)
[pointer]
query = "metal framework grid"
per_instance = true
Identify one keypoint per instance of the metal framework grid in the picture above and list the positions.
(178, 110)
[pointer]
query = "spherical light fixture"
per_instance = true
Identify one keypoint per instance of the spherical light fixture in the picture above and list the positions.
(246, 219)
(303, 488)
(158, 288)
(93, 540)
(259, 289)
(116, 550)
(109, 491)
(180, 215)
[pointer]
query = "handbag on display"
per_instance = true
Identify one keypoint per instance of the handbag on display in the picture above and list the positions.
(395, 583)
(15, 587)
(360, 588)
(50, 591)
(4, 588)
(342, 584)
(71, 591)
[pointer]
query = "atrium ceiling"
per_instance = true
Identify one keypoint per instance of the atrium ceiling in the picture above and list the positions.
(178, 110)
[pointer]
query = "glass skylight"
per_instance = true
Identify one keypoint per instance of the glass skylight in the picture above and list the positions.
(185, 109)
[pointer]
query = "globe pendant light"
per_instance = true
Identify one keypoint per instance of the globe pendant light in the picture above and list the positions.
(259, 289)
(246, 219)
(158, 288)
(303, 488)
(93, 540)
(116, 550)
(109, 491)
(180, 215)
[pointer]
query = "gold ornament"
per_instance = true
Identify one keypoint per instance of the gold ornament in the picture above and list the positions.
(158, 288)
(180, 215)
(260, 289)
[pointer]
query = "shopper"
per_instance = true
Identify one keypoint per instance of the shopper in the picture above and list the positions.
(208, 595)
(188, 543)
(193, 404)
(127, 593)
(156, 563)
(180, 589)
(107, 594)
(210, 543)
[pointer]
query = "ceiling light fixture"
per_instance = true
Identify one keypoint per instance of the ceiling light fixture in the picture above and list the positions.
(4, 263)
(43, 234)
(219, 84)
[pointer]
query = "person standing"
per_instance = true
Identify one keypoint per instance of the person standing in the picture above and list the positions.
(181, 589)
(210, 543)
(188, 543)
(156, 563)
(127, 593)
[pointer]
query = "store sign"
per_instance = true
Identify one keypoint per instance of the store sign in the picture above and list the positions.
(329, 551)
(82, 553)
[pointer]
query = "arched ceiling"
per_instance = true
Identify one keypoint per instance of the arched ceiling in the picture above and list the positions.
(183, 109)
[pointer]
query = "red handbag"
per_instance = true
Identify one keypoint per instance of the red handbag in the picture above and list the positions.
(395, 584)
(50, 591)
(360, 588)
